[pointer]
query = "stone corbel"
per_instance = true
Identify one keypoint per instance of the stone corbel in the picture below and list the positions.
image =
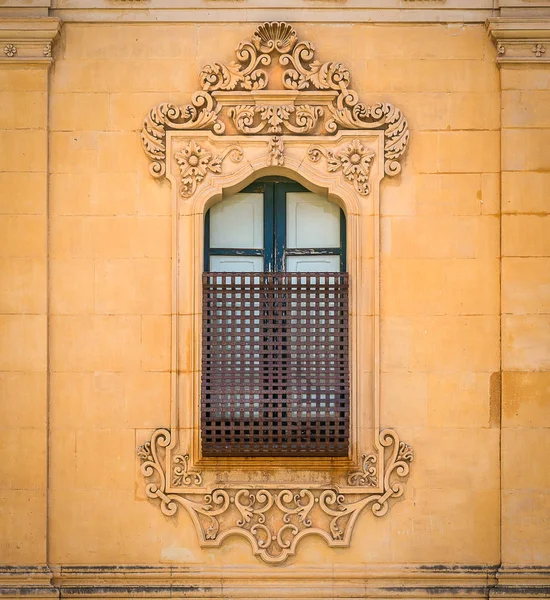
(28, 41)
(520, 41)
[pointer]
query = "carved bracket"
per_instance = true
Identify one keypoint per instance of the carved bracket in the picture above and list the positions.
(275, 519)
(314, 97)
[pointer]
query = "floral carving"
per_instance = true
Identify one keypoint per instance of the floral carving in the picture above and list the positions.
(368, 475)
(301, 72)
(10, 50)
(538, 50)
(181, 473)
(274, 520)
(47, 50)
(195, 162)
(254, 119)
(201, 114)
(276, 150)
(353, 159)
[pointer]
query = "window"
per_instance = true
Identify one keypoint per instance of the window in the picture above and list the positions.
(275, 375)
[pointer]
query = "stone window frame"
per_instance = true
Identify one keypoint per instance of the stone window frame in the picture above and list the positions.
(315, 131)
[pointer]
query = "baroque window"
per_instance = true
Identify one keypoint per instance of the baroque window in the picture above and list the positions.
(260, 285)
(275, 374)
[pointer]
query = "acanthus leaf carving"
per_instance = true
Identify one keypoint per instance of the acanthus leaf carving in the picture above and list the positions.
(303, 74)
(353, 159)
(196, 161)
(250, 119)
(274, 520)
(276, 151)
(201, 114)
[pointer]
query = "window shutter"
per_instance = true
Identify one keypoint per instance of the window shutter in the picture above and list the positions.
(275, 371)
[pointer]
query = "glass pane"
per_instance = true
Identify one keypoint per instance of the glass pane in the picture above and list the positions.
(311, 221)
(319, 264)
(238, 222)
(237, 264)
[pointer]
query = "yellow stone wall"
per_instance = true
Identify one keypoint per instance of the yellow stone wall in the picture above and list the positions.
(85, 300)
(525, 321)
(23, 313)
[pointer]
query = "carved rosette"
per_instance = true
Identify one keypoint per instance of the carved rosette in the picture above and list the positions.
(353, 160)
(274, 520)
(195, 162)
(272, 42)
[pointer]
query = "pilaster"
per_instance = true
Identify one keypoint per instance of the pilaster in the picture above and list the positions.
(25, 58)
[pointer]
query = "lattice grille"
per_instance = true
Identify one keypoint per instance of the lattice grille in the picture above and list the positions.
(275, 374)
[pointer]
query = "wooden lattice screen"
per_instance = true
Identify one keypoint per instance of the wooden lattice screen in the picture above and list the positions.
(275, 371)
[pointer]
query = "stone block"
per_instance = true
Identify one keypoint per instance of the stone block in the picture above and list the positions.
(447, 526)
(23, 342)
(440, 237)
(24, 150)
(439, 286)
(155, 343)
(526, 235)
(95, 343)
(23, 526)
(28, 78)
(525, 399)
(449, 194)
(23, 236)
(23, 109)
(23, 193)
(525, 526)
(450, 466)
(525, 344)
(133, 286)
(461, 400)
(23, 288)
(526, 285)
(525, 192)
(534, 78)
(525, 108)
(404, 399)
(73, 152)
(526, 149)
(118, 152)
(23, 465)
(24, 402)
(524, 453)
(72, 286)
(450, 344)
(79, 112)
(105, 459)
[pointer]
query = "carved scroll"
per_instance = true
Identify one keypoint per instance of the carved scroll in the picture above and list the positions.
(250, 73)
(274, 520)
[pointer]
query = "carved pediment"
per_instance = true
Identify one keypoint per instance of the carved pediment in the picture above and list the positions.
(275, 87)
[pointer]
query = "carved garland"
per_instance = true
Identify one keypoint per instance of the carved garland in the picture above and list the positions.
(303, 73)
(315, 100)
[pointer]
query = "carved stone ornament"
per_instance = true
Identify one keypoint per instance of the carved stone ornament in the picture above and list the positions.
(241, 124)
(275, 519)
(217, 105)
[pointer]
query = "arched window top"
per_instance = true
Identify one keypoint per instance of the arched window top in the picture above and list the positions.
(275, 225)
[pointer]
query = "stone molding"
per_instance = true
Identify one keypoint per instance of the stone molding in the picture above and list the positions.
(276, 110)
(521, 41)
(28, 41)
(314, 582)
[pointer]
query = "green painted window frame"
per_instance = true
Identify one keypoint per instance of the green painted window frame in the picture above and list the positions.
(275, 251)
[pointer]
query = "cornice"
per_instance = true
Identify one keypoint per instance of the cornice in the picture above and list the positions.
(28, 40)
(521, 41)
